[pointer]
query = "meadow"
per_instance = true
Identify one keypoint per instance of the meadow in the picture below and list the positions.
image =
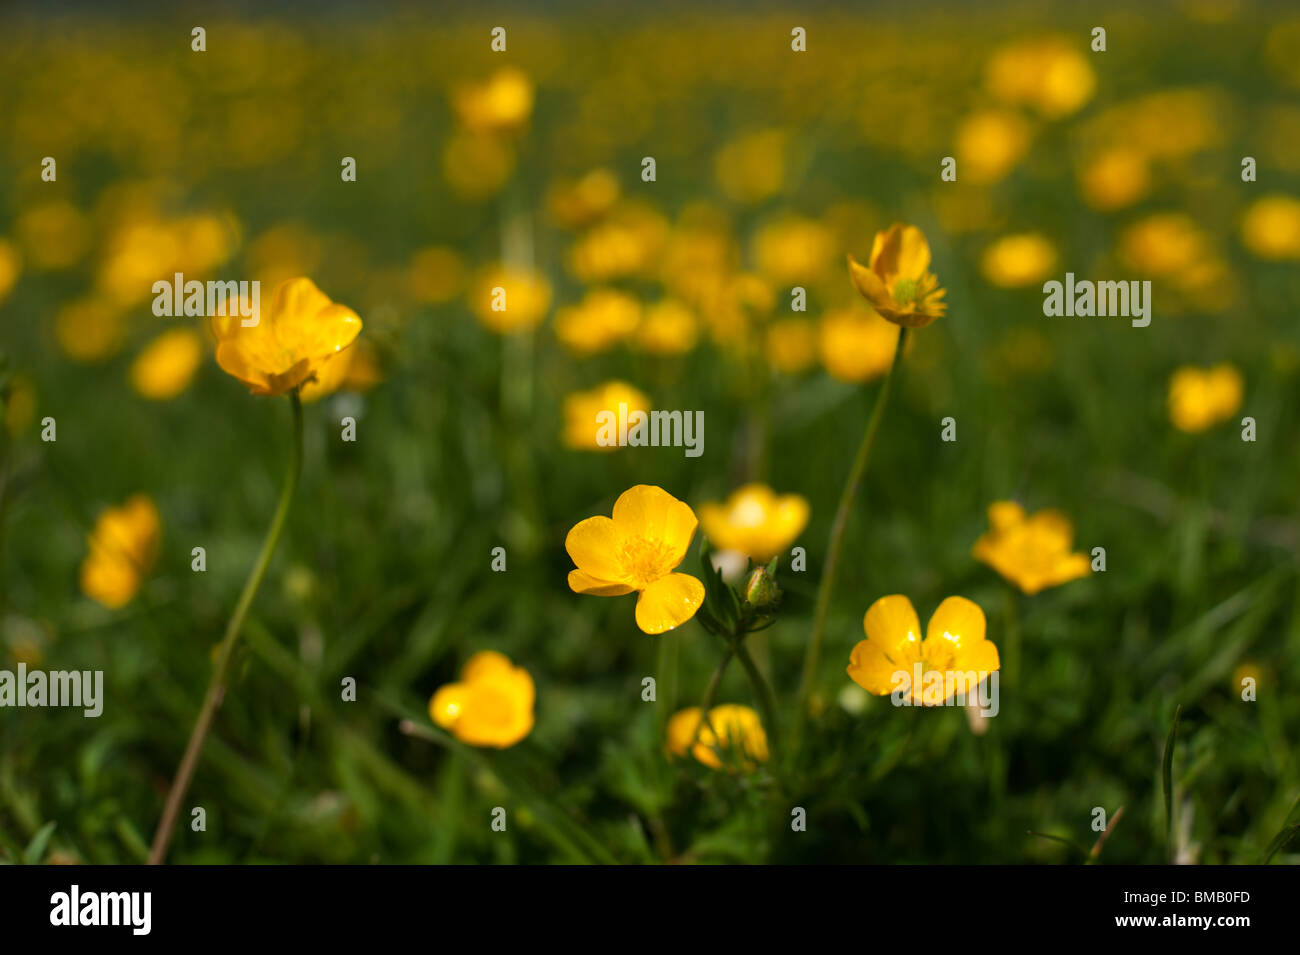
(448, 447)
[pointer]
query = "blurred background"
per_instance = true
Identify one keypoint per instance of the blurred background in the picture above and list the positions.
(523, 169)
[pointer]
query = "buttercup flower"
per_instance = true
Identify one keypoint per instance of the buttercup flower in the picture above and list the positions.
(954, 646)
(733, 733)
(501, 104)
(755, 521)
(289, 346)
(1018, 260)
(897, 281)
(1201, 398)
(491, 705)
(637, 551)
(1271, 228)
(521, 303)
(791, 345)
(167, 365)
(582, 410)
(123, 546)
(856, 344)
(1032, 552)
(602, 319)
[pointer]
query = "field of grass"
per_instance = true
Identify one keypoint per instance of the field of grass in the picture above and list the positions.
(771, 165)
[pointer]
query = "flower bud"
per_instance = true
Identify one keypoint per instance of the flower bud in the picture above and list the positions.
(762, 592)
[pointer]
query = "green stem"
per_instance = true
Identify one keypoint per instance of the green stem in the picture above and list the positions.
(711, 694)
(217, 684)
(762, 692)
(812, 656)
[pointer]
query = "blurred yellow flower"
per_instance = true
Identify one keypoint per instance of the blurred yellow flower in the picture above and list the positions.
(477, 165)
(1047, 73)
(794, 249)
(509, 299)
(897, 282)
(752, 168)
(755, 521)
(792, 345)
(954, 648)
(627, 243)
(291, 345)
(667, 328)
(502, 103)
(491, 705)
(1201, 398)
(167, 364)
(989, 144)
(601, 320)
(856, 345)
(1163, 243)
(577, 203)
(1271, 228)
(1031, 551)
(1115, 178)
(1014, 261)
(732, 735)
(11, 266)
(89, 329)
(637, 551)
(436, 274)
(122, 549)
(582, 410)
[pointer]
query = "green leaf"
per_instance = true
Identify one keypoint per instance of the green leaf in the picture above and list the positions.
(1167, 772)
(1290, 829)
(35, 850)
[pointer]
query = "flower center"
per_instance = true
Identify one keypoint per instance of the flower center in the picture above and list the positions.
(644, 560)
(905, 291)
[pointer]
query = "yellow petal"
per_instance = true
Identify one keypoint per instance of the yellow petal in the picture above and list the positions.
(868, 284)
(484, 664)
(447, 705)
(320, 334)
(594, 545)
(872, 670)
(892, 624)
(584, 583)
(668, 602)
(1005, 514)
(958, 621)
(296, 298)
(651, 512)
(913, 254)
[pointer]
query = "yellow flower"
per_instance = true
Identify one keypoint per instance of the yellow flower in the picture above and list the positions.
(732, 733)
(11, 265)
(1031, 551)
(637, 551)
(856, 345)
(167, 365)
(508, 299)
(492, 705)
(477, 164)
(897, 280)
(89, 329)
(122, 549)
(1201, 398)
(581, 202)
(627, 243)
(668, 328)
(954, 646)
(291, 345)
(989, 144)
(754, 521)
(791, 345)
(1018, 260)
(501, 104)
(55, 235)
(1271, 228)
(1046, 73)
(1115, 178)
(794, 249)
(602, 319)
(752, 168)
(582, 408)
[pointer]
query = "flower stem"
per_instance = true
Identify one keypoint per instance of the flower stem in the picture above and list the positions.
(812, 656)
(217, 684)
(762, 691)
(711, 694)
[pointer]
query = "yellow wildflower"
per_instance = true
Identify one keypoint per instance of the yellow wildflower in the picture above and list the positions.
(794, 249)
(989, 144)
(11, 265)
(602, 319)
(122, 549)
(1046, 73)
(897, 280)
(856, 345)
(167, 365)
(953, 658)
(755, 521)
(582, 409)
(508, 299)
(1271, 228)
(1031, 551)
(733, 733)
(290, 346)
(1115, 178)
(502, 103)
(1201, 398)
(491, 705)
(89, 329)
(792, 345)
(1015, 261)
(637, 551)
(583, 201)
